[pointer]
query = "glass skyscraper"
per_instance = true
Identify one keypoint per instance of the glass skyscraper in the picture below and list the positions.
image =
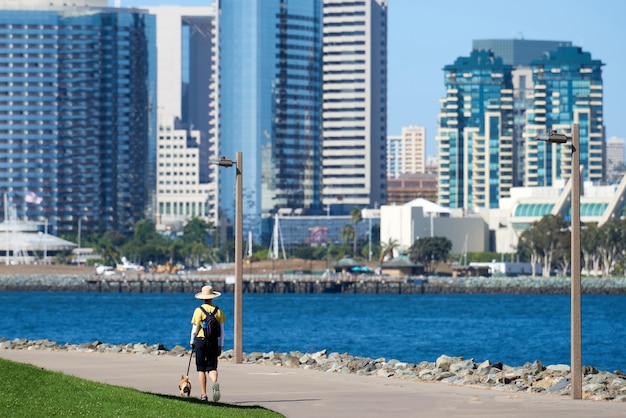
(519, 53)
(567, 90)
(270, 101)
(498, 100)
(77, 115)
(475, 135)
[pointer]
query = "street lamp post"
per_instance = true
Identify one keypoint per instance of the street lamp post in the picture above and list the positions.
(238, 340)
(575, 313)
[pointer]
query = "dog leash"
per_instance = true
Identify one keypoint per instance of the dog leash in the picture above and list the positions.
(190, 356)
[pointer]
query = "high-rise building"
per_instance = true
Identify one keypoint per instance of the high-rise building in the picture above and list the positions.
(270, 101)
(614, 154)
(519, 53)
(77, 112)
(475, 135)
(498, 100)
(567, 90)
(414, 144)
(406, 154)
(355, 104)
(394, 156)
(186, 106)
(181, 194)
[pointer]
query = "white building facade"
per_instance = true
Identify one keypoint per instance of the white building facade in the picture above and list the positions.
(420, 218)
(355, 104)
(181, 195)
(406, 154)
(186, 108)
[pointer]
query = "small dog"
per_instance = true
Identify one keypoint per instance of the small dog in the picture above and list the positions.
(184, 386)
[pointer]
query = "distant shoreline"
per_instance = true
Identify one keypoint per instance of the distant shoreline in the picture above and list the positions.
(283, 283)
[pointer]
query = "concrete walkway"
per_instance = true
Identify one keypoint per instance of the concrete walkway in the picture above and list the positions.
(308, 393)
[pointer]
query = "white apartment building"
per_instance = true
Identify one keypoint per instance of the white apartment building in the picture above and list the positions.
(406, 154)
(414, 145)
(186, 110)
(180, 194)
(355, 104)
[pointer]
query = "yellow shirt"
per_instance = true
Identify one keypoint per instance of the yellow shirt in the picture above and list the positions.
(199, 316)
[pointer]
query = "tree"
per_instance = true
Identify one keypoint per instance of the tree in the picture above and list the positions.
(563, 253)
(547, 239)
(196, 238)
(528, 243)
(388, 248)
(109, 246)
(430, 250)
(356, 216)
(347, 233)
(146, 244)
(589, 240)
(610, 243)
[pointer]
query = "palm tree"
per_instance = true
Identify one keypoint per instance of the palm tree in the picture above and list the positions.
(356, 216)
(347, 233)
(388, 249)
(109, 246)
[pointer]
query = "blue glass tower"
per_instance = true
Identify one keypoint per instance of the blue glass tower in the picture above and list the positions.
(475, 135)
(77, 115)
(519, 53)
(567, 90)
(270, 101)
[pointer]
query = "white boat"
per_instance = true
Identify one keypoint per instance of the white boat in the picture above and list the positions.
(128, 266)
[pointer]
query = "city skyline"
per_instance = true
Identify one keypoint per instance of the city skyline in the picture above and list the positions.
(421, 43)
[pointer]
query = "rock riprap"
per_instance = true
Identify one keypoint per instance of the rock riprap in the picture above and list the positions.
(532, 377)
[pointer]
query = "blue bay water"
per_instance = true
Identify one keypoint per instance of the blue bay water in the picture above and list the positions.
(512, 329)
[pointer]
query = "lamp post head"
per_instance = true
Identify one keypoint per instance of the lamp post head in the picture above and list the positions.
(553, 137)
(223, 162)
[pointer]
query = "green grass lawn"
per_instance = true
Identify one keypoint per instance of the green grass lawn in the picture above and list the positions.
(29, 391)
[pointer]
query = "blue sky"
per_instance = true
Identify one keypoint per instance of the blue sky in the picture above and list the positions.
(424, 36)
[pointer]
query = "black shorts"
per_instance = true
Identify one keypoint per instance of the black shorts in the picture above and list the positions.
(206, 354)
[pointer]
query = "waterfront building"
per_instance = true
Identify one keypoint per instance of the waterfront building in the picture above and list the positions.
(294, 230)
(270, 101)
(567, 90)
(355, 104)
(498, 229)
(420, 218)
(475, 134)
(77, 113)
(23, 242)
(598, 204)
(186, 107)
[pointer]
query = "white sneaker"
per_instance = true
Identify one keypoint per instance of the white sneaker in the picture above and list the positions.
(216, 392)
